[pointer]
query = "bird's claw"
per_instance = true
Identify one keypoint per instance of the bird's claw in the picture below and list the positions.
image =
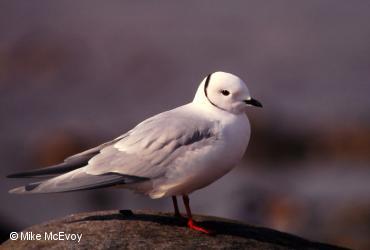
(192, 225)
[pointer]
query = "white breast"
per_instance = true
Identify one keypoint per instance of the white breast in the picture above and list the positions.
(236, 134)
(197, 169)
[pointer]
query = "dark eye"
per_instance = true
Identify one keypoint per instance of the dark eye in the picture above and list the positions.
(225, 92)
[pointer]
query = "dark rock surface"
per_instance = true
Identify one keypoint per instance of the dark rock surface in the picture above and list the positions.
(147, 230)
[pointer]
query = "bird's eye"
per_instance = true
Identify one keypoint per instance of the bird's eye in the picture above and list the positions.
(225, 92)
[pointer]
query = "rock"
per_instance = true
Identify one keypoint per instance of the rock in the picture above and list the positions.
(147, 230)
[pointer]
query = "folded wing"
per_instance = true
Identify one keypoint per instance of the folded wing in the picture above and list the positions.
(144, 153)
(149, 149)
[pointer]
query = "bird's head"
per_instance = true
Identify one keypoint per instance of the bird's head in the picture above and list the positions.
(225, 91)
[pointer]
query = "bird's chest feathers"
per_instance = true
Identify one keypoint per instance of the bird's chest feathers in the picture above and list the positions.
(220, 157)
(234, 136)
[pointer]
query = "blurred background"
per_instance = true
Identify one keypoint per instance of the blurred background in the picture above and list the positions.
(76, 74)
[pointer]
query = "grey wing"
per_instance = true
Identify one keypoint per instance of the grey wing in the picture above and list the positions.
(141, 154)
(149, 148)
(76, 180)
(70, 176)
(69, 164)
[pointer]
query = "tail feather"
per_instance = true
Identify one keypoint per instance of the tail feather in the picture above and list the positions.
(58, 169)
(77, 180)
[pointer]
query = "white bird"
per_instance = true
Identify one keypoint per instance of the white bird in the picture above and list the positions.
(170, 154)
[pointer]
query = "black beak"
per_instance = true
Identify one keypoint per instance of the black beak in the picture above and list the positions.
(253, 102)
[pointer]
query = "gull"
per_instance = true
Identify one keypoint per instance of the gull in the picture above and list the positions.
(170, 154)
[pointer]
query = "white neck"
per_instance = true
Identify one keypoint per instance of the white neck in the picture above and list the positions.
(200, 97)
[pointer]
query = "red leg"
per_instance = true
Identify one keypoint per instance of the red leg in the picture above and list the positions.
(191, 222)
(176, 207)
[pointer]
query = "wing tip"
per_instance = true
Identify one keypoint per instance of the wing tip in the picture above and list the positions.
(18, 190)
(111, 179)
(24, 189)
(16, 175)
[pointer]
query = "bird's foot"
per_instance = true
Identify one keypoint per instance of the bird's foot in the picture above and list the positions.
(192, 225)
